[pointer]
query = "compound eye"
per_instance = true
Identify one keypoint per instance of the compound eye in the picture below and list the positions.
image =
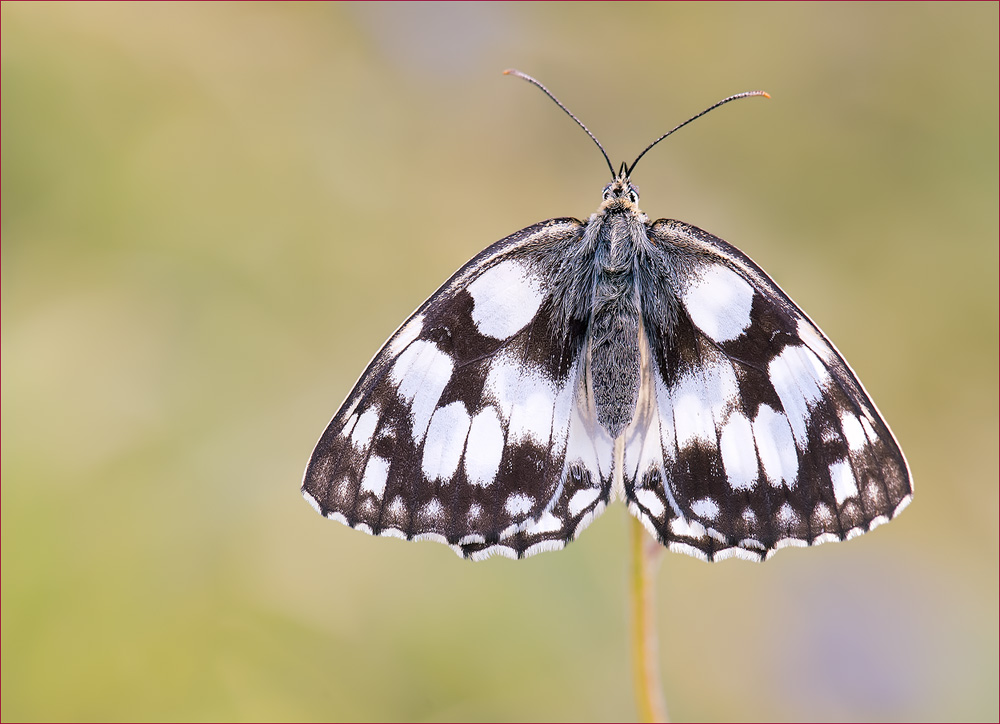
(633, 197)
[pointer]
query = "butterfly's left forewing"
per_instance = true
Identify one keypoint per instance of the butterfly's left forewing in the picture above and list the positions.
(471, 426)
(752, 433)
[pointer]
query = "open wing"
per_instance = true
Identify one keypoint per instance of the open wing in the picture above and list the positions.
(471, 425)
(752, 432)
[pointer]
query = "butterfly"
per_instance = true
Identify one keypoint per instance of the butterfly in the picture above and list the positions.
(575, 363)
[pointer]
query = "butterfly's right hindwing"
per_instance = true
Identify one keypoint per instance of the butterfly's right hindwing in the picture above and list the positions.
(470, 426)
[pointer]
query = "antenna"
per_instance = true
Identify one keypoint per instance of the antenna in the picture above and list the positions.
(628, 170)
(710, 108)
(547, 92)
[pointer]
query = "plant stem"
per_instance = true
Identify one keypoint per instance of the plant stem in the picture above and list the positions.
(645, 646)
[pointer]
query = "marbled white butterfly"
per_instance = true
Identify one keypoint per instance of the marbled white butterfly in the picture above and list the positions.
(574, 363)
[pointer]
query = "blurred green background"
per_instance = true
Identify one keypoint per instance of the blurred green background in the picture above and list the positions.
(214, 214)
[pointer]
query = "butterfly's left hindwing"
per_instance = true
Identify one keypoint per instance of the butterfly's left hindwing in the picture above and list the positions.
(752, 432)
(470, 425)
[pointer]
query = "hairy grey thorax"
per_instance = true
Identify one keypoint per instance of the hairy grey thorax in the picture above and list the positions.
(615, 234)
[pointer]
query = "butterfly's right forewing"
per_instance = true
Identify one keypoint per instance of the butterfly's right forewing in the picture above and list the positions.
(470, 426)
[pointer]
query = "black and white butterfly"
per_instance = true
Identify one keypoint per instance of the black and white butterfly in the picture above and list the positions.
(574, 363)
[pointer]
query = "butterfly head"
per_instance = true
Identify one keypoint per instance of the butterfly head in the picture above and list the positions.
(621, 194)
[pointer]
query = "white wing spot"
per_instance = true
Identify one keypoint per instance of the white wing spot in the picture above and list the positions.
(548, 523)
(475, 510)
(582, 499)
(822, 513)
(589, 450)
(874, 494)
(830, 435)
(348, 427)
(445, 441)
(776, 447)
(528, 395)
(700, 400)
(869, 430)
(433, 510)
(364, 429)
(397, 508)
(798, 377)
(484, 448)
(519, 504)
(505, 298)
(814, 340)
(844, 485)
(787, 515)
(719, 302)
(421, 373)
(408, 333)
(854, 433)
(739, 455)
(649, 500)
(687, 528)
(375, 475)
(705, 508)
(692, 418)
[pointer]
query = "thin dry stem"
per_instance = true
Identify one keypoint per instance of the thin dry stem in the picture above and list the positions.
(645, 647)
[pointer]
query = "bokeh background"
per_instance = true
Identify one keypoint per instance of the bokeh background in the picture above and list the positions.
(214, 214)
